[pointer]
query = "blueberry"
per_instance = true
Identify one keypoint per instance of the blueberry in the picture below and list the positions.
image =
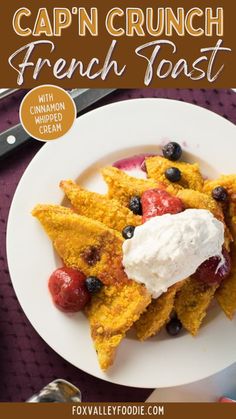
(128, 232)
(93, 284)
(135, 205)
(220, 194)
(172, 151)
(173, 174)
(174, 326)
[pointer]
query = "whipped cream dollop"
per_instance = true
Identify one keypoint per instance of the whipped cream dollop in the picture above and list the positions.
(169, 248)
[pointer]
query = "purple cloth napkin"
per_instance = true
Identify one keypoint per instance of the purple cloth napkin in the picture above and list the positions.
(27, 363)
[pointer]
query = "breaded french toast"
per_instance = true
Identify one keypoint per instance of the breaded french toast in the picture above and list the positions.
(200, 200)
(191, 177)
(157, 313)
(122, 187)
(111, 313)
(226, 293)
(190, 313)
(228, 182)
(99, 207)
(192, 302)
(83, 243)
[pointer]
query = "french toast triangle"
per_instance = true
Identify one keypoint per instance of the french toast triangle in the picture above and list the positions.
(200, 200)
(122, 187)
(191, 177)
(229, 183)
(83, 243)
(226, 293)
(111, 314)
(192, 302)
(99, 207)
(157, 314)
(194, 298)
(184, 294)
(91, 247)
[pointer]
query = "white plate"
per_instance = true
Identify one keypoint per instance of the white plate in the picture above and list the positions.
(98, 138)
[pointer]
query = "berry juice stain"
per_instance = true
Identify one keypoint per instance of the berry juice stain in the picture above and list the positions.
(134, 165)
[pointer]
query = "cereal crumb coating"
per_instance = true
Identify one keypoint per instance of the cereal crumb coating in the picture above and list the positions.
(157, 313)
(111, 314)
(83, 243)
(122, 187)
(191, 177)
(226, 293)
(99, 207)
(192, 302)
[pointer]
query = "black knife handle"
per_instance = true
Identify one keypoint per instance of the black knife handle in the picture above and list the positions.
(12, 139)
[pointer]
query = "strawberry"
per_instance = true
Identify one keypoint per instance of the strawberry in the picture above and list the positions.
(68, 289)
(158, 202)
(211, 273)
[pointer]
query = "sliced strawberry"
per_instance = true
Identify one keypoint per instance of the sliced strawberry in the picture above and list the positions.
(158, 202)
